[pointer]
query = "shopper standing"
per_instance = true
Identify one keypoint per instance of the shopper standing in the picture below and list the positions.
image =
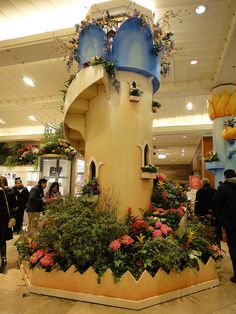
(36, 202)
(226, 208)
(7, 203)
(204, 201)
(21, 194)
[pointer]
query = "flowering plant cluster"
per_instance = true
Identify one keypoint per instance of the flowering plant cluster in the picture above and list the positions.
(59, 147)
(109, 67)
(91, 188)
(75, 233)
(149, 168)
(156, 104)
(211, 156)
(22, 155)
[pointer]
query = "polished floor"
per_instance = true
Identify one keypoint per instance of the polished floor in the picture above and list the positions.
(15, 299)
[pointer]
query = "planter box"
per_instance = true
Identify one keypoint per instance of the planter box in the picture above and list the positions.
(148, 175)
(134, 98)
(127, 293)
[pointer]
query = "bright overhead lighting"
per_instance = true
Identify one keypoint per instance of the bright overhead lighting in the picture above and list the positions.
(200, 9)
(1, 121)
(32, 118)
(28, 81)
(161, 156)
(184, 136)
(193, 61)
(189, 106)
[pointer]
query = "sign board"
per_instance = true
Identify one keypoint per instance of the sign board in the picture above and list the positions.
(195, 182)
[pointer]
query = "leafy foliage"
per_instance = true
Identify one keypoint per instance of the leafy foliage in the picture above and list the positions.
(76, 232)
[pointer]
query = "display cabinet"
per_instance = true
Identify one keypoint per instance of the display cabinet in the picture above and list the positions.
(56, 169)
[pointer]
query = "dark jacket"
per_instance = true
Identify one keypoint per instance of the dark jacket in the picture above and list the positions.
(226, 203)
(204, 200)
(21, 198)
(35, 200)
(5, 232)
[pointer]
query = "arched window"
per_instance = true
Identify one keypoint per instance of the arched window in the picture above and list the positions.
(92, 170)
(146, 155)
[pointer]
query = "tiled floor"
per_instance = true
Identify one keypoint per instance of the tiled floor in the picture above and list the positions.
(15, 299)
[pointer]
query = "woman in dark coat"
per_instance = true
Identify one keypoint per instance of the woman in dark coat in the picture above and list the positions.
(7, 203)
(21, 194)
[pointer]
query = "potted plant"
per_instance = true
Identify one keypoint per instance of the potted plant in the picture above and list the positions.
(229, 132)
(148, 172)
(211, 156)
(155, 105)
(135, 92)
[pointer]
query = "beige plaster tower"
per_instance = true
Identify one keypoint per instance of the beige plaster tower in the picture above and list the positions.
(112, 131)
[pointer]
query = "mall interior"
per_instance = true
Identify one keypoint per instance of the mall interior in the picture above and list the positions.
(181, 137)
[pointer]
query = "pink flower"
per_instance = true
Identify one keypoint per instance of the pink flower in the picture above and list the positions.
(47, 260)
(126, 240)
(165, 229)
(115, 245)
(35, 257)
(157, 233)
(158, 224)
(138, 263)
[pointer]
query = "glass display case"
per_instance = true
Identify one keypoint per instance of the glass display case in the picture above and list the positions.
(56, 169)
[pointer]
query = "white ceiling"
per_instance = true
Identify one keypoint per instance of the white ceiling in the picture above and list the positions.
(210, 38)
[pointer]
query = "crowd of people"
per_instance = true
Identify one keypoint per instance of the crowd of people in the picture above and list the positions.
(13, 204)
(219, 207)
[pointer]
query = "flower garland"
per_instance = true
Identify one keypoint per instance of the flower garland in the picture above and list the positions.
(163, 42)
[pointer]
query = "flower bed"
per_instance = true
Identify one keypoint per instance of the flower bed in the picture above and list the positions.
(167, 241)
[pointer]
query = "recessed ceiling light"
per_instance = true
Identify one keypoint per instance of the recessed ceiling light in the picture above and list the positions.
(161, 156)
(154, 138)
(28, 81)
(193, 61)
(200, 9)
(184, 136)
(189, 106)
(32, 118)
(1, 121)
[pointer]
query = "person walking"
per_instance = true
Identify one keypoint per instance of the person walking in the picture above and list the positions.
(21, 194)
(204, 201)
(226, 208)
(36, 202)
(7, 204)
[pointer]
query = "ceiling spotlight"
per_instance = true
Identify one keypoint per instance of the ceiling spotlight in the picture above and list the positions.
(184, 136)
(28, 81)
(200, 9)
(1, 121)
(32, 118)
(193, 61)
(161, 156)
(189, 106)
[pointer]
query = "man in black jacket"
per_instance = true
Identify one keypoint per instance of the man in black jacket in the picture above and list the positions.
(226, 208)
(36, 203)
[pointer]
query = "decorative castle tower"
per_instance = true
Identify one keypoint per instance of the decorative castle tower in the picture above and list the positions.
(222, 108)
(113, 131)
